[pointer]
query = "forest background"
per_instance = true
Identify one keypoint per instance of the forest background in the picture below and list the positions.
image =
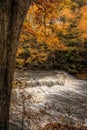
(54, 36)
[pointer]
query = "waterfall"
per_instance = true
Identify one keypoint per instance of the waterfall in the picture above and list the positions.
(49, 96)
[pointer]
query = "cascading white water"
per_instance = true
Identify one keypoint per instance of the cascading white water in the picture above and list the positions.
(49, 96)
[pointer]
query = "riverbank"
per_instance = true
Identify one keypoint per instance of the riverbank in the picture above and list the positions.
(81, 76)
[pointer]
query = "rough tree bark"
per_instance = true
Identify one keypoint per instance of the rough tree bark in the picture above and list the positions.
(12, 13)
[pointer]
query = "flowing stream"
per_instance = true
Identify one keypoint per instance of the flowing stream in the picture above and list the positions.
(40, 97)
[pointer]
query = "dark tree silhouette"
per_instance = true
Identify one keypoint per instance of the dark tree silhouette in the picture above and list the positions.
(12, 13)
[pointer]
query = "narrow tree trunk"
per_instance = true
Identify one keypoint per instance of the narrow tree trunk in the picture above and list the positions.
(12, 13)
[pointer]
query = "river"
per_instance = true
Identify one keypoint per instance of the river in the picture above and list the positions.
(40, 97)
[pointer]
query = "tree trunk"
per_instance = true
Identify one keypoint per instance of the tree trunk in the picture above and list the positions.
(12, 13)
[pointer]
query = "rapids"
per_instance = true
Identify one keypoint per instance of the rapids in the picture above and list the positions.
(41, 97)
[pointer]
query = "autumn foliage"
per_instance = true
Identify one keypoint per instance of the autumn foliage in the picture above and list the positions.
(56, 126)
(52, 27)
